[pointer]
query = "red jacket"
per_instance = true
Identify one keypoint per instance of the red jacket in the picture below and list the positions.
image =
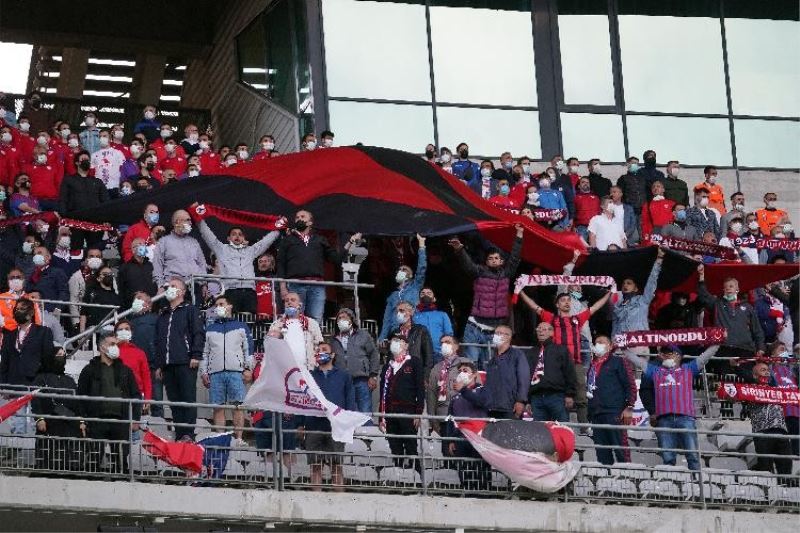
(263, 154)
(24, 145)
(176, 163)
(134, 358)
(210, 163)
(161, 151)
(9, 165)
(140, 230)
(45, 181)
(655, 214)
(587, 205)
(122, 148)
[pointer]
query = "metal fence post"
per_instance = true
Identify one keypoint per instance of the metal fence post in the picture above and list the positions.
(422, 443)
(130, 443)
(277, 450)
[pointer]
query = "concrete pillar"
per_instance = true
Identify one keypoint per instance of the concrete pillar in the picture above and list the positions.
(147, 79)
(72, 78)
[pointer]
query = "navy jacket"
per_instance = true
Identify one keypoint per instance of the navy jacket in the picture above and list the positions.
(614, 387)
(20, 366)
(180, 336)
(144, 335)
(52, 285)
(563, 183)
(508, 378)
(337, 387)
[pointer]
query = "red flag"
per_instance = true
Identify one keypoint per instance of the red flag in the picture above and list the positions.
(185, 455)
(9, 409)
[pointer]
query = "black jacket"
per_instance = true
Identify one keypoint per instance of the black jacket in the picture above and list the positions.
(180, 335)
(615, 388)
(19, 367)
(89, 385)
(599, 185)
(297, 260)
(559, 371)
(634, 190)
(133, 277)
(420, 345)
(56, 383)
(78, 192)
(563, 183)
(406, 392)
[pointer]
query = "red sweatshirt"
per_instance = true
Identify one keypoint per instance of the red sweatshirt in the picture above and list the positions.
(134, 358)
(45, 180)
(587, 205)
(655, 214)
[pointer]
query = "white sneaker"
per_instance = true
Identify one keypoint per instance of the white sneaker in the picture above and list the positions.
(239, 443)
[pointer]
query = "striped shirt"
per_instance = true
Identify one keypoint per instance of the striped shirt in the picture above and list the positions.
(567, 330)
(785, 378)
(673, 387)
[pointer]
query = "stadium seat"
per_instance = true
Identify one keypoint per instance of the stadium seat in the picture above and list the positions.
(442, 478)
(500, 481)
(629, 471)
(727, 463)
(649, 459)
(789, 495)
(359, 475)
(140, 461)
(658, 489)
(593, 469)
(358, 446)
(744, 494)
(720, 476)
(625, 488)
(673, 473)
(395, 476)
(752, 477)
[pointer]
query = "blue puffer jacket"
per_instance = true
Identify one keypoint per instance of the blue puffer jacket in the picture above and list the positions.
(438, 324)
(409, 292)
(180, 335)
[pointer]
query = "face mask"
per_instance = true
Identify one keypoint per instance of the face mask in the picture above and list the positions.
(85, 165)
(64, 242)
(204, 145)
(2, 195)
(401, 317)
(323, 358)
(681, 301)
(769, 204)
(486, 172)
(41, 140)
(785, 354)
(736, 227)
(231, 162)
(327, 143)
(27, 247)
(780, 235)
(141, 250)
(220, 311)
(526, 169)
(600, 349)
(711, 179)
(21, 317)
(187, 228)
(429, 154)
(396, 347)
(149, 115)
(633, 168)
(136, 150)
(533, 196)
(112, 352)
(674, 172)
(596, 168)
(89, 121)
(44, 228)
(6, 138)
(497, 339)
(401, 276)
(343, 325)
(504, 190)
(16, 284)
(310, 145)
(668, 363)
(243, 154)
(171, 293)
(193, 173)
(573, 169)
(124, 335)
(64, 133)
(94, 263)
(170, 148)
(560, 165)
(738, 207)
(24, 127)
(703, 202)
(447, 350)
(73, 143)
(126, 191)
(658, 197)
(104, 142)
(152, 218)
(165, 134)
(38, 260)
(544, 183)
(752, 225)
(464, 378)
(300, 225)
(788, 228)
(508, 165)
(268, 146)
(463, 154)
(118, 135)
(41, 159)
(730, 297)
(291, 312)
(577, 295)
(445, 157)
(427, 300)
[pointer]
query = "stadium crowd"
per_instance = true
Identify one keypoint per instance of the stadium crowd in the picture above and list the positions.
(432, 297)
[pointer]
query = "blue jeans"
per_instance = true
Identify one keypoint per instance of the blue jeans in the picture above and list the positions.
(227, 387)
(549, 407)
(363, 395)
(583, 231)
(475, 335)
(313, 298)
(682, 441)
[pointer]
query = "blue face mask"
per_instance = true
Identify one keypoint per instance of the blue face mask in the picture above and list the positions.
(291, 312)
(680, 216)
(152, 219)
(504, 190)
(323, 358)
(508, 165)
(141, 250)
(634, 168)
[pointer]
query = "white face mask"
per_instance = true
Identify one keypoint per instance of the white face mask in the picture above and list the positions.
(89, 121)
(560, 165)
(600, 349)
(124, 335)
(171, 293)
(704, 202)
(230, 162)
(736, 227)
(27, 247)
(753, 225)
(221, 311)
(204, 145)
(192, 138)
(149, 115)
(596, 168)
(193, 173)
(94, 263)
(38, 260)
(658, 197)
(310, 145)
(674, 171)
(104, 141)
(447, 349)
(573, 169)
(343, 325)
(445, 158)
(401, 276)
(170, 148)
(165, 134)
(6, 138)
(41, 159)
(24, 126)
(668, 363)
(137, 305)
(187, 228)
(711, 179)
(464, 378)
(41, 140)
(401, 317)
(118, 135)
(327, 143)
(788, 228)
(16, 285)
(73, 143)
(268, 146)
(497, 339)
(486, 172)
(64, 242)
(533, 196)
(112, 352)
(544, 183)
(396, 347)
(243, 154)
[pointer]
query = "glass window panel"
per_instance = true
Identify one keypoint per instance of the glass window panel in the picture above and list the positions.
(586, 59)
(690, 140)
(376, 50)
(767, 143)
(405, 127)
(483, 56)
(280, 64)
(251, 47)
(763, 57)
(490, 132)
(15, 61)
(586, 135)
(672, 64)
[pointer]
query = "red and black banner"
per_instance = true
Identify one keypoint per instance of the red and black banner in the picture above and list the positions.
(744, 392)
(697, 247)
(679, 337)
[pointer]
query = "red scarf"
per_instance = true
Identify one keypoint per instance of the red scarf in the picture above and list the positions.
(421, 307)
(447, 363)
(37, 273)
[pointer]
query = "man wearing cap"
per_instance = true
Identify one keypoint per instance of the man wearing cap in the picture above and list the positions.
(356, 353)
(674, 399)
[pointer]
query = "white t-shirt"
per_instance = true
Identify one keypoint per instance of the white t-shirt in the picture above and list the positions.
(619, 215)
(107, 163)
(606, 231)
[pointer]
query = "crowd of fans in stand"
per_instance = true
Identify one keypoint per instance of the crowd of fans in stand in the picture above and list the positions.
(417, 361)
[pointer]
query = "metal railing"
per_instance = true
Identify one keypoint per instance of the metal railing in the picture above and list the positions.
(282, 457)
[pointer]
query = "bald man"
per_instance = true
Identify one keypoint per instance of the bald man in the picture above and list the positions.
(178, 255)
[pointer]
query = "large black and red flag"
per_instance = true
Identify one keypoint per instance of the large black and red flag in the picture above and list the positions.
(381, 192)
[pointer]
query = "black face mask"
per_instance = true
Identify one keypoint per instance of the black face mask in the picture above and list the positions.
(21, 317)
(106, 279)
(650, 161)
(426, 299)
(300, 225)
(35, 103)
(463, 154)
(429, 154)
(85, 165)
(150, 166)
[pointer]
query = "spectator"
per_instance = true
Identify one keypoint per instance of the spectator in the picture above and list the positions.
(48, 319)
(430, 153)
(446, 159)
(22, 201)
(573, 167)
(134, 358)
(466, 170)
(227, 364)
(435, 321)
(736, 315)
(770, 216)
(242, 153)
(679, 313)
(9, 157)
(179, 350)
(629, 313)
(467, 405)
(301, 332)
(140, 230)
(679, 228)
(486, 186)
(552, 379)
(420, 344)
(267, 145)
(168, 177)
(106, 376)
(136, 275)
(674, 407)
(107, 164)
(635, 186)
(117, 135)
(553, 198)
(505, 170)
(25, 142)
(737, 209)
(56, 449)
(356, 353)
(73, 147)
(63, 257)
(178, 255)
(149, 176)
(130, 168)
(8, 300)
(45, 179)
(658, 212)
(337, 387)
(604, 230)
(149, 125)
(649, 171)
(49, 281)
(100, 293)
(173, 160)
(598, 184)
(734, 228)
(143, 325)
(785, 375)
(675, 189)
(82, 191)
(562, 183)
(408, 290)
(508, 377)
(611, 390)
(236, 262)
(440, 382)
(191, 141)
(265, 300)
(402, 392)
(587, 205)
(327, 139)
(90, 136)
(79, 280)
(700, 217)
(716, 196)
(490, 294)
(625, 217)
